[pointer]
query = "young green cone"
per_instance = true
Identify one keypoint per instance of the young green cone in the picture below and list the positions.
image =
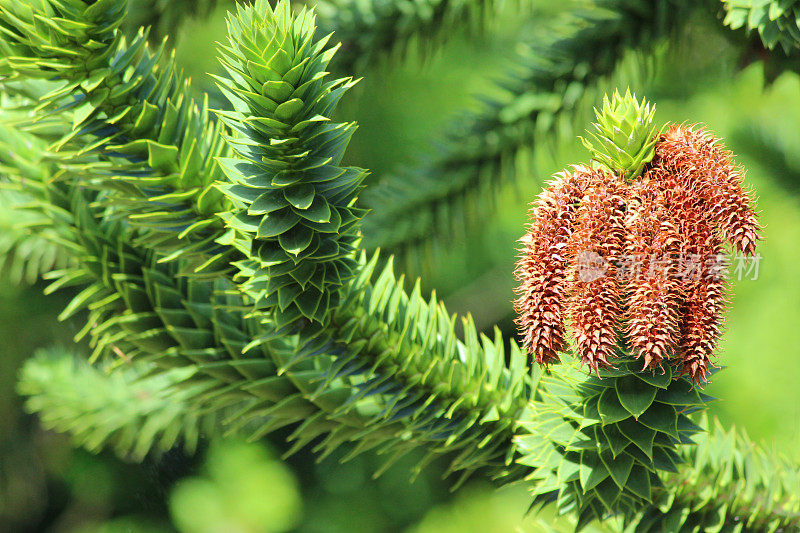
(625, 134)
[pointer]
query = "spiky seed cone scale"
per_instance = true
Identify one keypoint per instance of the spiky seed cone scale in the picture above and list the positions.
(653, 291)
(594, 287)
(707, 172)
(541, 269)
(704, 296)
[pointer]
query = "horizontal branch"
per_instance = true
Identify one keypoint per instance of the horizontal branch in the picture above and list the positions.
(375, 29)
(376, 382)
(456, 188)
(728, 483)
(124, 410)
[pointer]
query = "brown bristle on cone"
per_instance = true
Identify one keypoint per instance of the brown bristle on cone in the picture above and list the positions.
(653, 290)
(704, 295)
(708, 172)
(541, 268)
(596, 246)
(700, 328)
(700, 184)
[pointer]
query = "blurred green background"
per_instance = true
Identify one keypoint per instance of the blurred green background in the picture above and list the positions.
(402, 106)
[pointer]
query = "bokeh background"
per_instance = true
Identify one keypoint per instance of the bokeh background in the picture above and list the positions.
(403, 104)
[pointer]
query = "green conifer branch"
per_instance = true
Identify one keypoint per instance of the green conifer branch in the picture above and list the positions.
(777, 22)
(234, 379)
(146, 309)
(601, 446)
(164, 17)
(293, 217)
(325, 384)
(385, 370)
(623, 138)
(25, 252)
(130, 108)
(125, 410)
(373, 29)
(728, 483)
(457, 188)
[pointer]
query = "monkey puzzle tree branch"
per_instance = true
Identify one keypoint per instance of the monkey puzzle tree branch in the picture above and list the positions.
(130, 107)
(776, 22)
(380, 368)
(374, 29)
(125, 410)
(456, 188)
(345, 383)
(729, 483)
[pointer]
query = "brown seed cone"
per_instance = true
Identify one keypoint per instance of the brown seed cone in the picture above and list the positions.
(708, 172)
(596, 245)
(702, 288)
(653, 290)
(705, 299)
(701, 325)
(658, 240)
(541, 268)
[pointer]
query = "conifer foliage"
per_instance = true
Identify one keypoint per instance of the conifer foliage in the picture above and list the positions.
(776, 22)
(215, 256)
(292, 210)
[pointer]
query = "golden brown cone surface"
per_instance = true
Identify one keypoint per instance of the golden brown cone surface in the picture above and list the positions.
(653, 288)
(703, 290)
(700, 329)
(541, 268)
(710, 176)
(705, 296)
(596, 245)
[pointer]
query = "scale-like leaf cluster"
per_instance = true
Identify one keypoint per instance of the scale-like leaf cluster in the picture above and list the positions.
(124, 410)
(600, 445)
(624, 136)
(293, 215)
(728, 483)
(388, 373)
(777, 22)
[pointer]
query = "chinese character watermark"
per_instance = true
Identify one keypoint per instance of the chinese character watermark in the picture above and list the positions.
(592, 266)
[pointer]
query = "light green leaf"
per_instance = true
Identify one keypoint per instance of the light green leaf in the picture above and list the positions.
(662, 418)
(319, 211)
(619, 467)
(289, 109)
(640, 435)
(277, 222)
(296, 239)
(639, 482)
(270, 201)
(300, 195)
